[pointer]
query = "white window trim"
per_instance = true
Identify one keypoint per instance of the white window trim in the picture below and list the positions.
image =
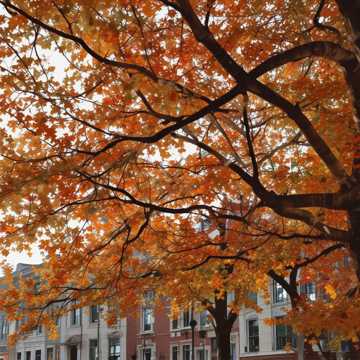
(141, 348)
(182, 351)
(273, 293)
(71, 325)
(180, 320)
(248, 335)
(171, 351)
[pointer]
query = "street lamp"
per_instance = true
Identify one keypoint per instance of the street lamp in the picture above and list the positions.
(193, 323)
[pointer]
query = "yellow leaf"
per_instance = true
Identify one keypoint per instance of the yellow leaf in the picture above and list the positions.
(330, 291)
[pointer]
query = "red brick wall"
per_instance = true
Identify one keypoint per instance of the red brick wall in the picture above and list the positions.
(162, 336)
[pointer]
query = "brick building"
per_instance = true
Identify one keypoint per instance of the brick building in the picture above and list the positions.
(154, 335)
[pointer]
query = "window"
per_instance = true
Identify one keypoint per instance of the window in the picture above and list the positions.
(148, 319)
(230, 297)
(28, 355)
(114, 348)
(148, 311)
(4, 327)
(252, 296)
(18, 356)
(146, 354)
(309, 290)
(201, 354)
(346, 346)
(186, 352)
(37, 354)
(93, 349)
(279, 293)
(204, 319)
(58, 321)
(186, 317)
(49, 354)
(183, 321)
(94, 313)
(284, 335)
(232, 351)
(253, 335)
(175, 353)
(75, 316)
(175, 324)
(38, 330)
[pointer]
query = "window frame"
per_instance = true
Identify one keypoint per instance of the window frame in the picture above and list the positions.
(250, 347)
(93, 348)
(146, 349)
(289, 335)
(185, 320)
(39, 330)
(75, 317)
(309, 290)
(177, 347)
(94, 319)
(188, 350)
(147, 313)
(50, 350)
(114, 355)
(276, 297)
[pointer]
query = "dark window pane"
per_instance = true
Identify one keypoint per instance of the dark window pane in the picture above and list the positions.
(93, 349)
(253, 335)
(175, 353)
(94, 313)
(114, 349)
(186, 352)
(37, 354)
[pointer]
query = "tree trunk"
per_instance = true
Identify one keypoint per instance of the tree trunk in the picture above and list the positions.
(223, 341)
(351, 12)
(223, 322)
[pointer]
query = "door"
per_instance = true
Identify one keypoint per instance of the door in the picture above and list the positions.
(73, 352)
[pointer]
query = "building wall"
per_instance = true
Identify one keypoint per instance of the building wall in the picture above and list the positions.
(163, 338)
(82, 333)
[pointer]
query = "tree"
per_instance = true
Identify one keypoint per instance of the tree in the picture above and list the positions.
(165, 113)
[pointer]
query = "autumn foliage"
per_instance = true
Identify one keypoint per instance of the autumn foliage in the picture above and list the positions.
(127, 125)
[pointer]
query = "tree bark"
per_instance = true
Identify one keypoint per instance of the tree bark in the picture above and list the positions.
(223, 341)
(224, 320)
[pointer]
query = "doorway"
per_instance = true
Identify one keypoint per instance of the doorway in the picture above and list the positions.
(73, 352)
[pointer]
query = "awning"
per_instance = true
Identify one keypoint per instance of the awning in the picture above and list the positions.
(73, 340)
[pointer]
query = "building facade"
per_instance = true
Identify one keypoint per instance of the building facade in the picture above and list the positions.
(151, 334)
